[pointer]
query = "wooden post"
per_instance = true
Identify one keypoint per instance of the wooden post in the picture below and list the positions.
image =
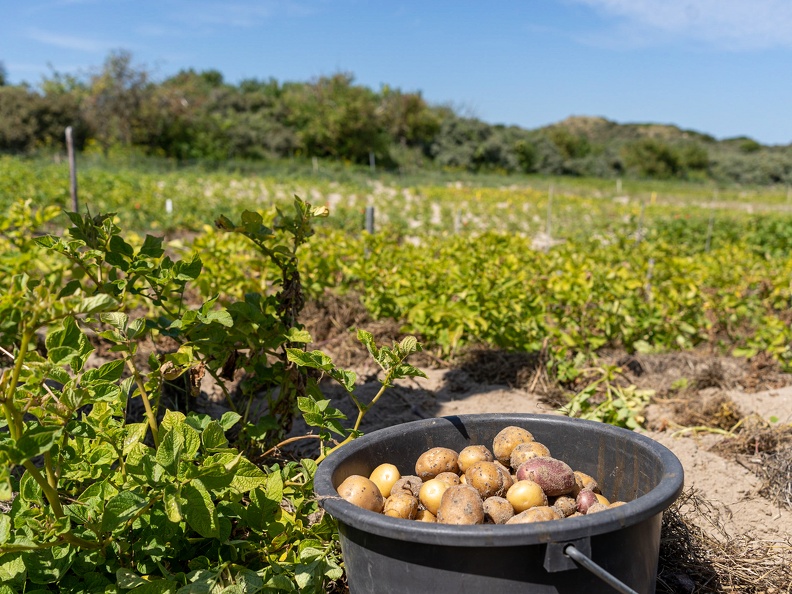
(370, 219)
(72, 169)
(372, 162)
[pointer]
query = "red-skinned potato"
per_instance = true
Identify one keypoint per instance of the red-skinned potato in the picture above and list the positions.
(554, 476)
(585, 499)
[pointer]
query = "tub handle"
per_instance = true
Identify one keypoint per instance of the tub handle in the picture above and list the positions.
(571, 551)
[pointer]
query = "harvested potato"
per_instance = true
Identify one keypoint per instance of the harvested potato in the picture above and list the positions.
(461, 504)
(585, 499)
(564, 505)
(449, 477)
(617, 504)
(584, 481)
(601, 498)
(424, 515)
(410, 483)
(472, 454)
(385, 476)
(485, 478)
(433, 462)
(596, 507)
(525, 495)
(554, 476)
(525, 451)
(497, 510)
(508, 479)
(542, 513)
(361, 491)
(508, 439)
(401, 505)
(431, 493)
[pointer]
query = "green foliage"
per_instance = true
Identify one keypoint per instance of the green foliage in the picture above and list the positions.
(163, 502)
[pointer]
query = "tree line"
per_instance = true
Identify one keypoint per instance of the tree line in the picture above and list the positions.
(200, 116)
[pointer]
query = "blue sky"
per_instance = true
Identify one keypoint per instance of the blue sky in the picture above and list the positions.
(716, 66)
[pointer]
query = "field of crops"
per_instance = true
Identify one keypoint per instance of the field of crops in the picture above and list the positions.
(197, 276)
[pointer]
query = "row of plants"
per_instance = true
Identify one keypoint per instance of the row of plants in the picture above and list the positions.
(176, 201)
(103, 488)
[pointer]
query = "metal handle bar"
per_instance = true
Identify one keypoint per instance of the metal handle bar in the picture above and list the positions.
(573, 553)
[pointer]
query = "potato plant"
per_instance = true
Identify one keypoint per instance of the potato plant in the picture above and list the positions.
(97, 496)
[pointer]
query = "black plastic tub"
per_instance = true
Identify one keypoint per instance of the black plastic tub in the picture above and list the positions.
(383, 554)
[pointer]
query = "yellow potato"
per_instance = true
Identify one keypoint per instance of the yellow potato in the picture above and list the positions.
(472, 454)
(525, 495)
(431, 493)
(360, 491)
(486, 478)
(461, 504)
(436, 460)
(508, 439)
(385, 476)
(401, 505)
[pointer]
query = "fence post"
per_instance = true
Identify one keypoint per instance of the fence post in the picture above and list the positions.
(72, 169)
(370, 219)
(372, 162)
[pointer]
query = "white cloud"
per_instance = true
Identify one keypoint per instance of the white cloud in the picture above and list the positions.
(70, 42)
(238, 13)
(734, 24)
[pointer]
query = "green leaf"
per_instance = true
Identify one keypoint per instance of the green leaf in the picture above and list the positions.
(5, 528)
(126, 579)
(120, 509)
(109, 372)
(247, 476)
(96, 303)
(229, 419)
(295, 335)
(120, 246)
(30, 490)
(214, 437)
(69, 289)
(409, 345)
(48, 566)
(156, 587)
(172, 502)
(170, 450)
(187, 271)
(116, 319)
(199, 511)
(68, 345)
(134, 433)
(36, 440)
(312, 359)
(151, 248)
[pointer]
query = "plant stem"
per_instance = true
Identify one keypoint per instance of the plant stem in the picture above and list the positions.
(12, 414)
(51, 477)
(362, 410)
(288, 441)
(152, 419)
(49, 492)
